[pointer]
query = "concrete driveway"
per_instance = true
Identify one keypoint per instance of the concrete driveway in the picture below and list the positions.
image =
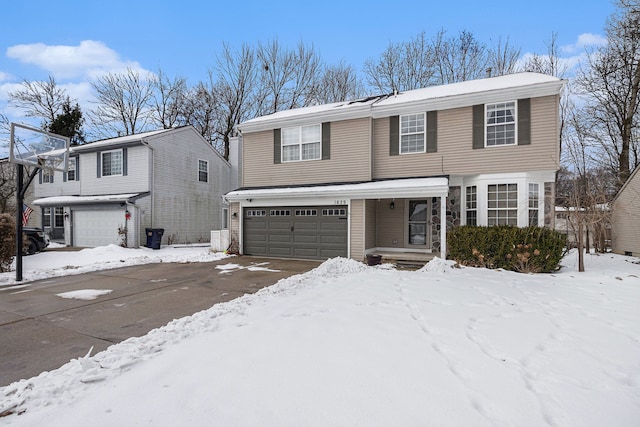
(40, 331)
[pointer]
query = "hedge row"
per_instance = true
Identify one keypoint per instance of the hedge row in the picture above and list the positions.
(7, 241)
(526, 250)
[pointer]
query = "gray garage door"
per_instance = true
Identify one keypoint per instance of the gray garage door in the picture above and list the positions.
(309, 232)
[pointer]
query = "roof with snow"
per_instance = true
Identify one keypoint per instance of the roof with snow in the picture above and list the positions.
(121, 140)
(487, 90)
(83, 200)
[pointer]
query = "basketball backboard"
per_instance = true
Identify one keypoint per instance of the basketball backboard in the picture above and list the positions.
(35, 147)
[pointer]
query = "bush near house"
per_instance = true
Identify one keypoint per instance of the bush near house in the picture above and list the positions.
(526, 250)
(7, 241)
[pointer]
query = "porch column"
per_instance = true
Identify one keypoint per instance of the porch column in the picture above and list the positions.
(443, 227)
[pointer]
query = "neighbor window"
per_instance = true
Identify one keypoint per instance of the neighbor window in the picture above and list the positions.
(47, 175)
(412, 131)
(501, 123)
(502, 203)
(46, 217)
(203, 171)
(225, 218)
(112, 163)
(59, 217)
(302, 143)
(472, 205)
(71, 172)
(534, 203)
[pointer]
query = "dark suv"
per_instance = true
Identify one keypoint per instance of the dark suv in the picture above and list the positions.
(35, 240)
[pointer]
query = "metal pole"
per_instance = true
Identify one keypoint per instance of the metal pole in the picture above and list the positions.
(19, 210)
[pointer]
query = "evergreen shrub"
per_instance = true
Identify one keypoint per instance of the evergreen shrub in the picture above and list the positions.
(7, 241)
(525, 250)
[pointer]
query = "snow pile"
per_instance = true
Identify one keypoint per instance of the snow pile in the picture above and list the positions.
(438, 265)
(347, 344)
(63, 263)
(85, 294)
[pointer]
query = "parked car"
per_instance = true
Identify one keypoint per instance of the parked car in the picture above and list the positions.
(35, 240)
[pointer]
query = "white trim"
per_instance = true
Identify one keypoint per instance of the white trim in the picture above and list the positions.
(424, 134)
(515, 123)
(198, 177)
(443, 227)
(102, 153)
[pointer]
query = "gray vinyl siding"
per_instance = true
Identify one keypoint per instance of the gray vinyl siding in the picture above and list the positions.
(455, 154)
(136, 180)
(187, 209)
(626, 218)
(350, 158)
(357, 218)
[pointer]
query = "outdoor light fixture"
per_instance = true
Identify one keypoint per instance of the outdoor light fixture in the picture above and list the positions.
(392, 205)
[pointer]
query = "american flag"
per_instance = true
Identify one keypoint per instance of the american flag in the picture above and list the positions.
(26, 213)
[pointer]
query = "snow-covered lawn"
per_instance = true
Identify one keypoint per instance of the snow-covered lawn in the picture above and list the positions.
(346, 344)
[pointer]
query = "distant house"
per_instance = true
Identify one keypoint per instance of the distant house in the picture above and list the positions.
(8, 195)
(171, 179)
(625, 217)
(391, 173)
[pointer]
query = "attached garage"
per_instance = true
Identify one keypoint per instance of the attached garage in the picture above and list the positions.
(305, 232)
(93, 228)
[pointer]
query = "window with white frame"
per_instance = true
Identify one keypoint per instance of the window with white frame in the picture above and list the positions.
(58, 217)
(46, 217)
(47, 175)
(534, 203)
(112, 163)
(502, 204)
(501, 124)
(71, 172)
(203, 171)
(412, 133)
(472, 205)
(302, 143)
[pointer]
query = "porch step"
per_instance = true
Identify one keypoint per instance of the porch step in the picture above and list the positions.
(407, 260)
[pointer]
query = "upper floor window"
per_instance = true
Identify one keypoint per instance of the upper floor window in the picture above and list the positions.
(112, 163)
(47, 175)
(71, 172)
(302, 143)
(501, 123)
(203, 171)
(412, 133)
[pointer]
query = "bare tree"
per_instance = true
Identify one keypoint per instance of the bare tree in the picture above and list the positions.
(403, 66)
(459, 58)
(502, 58)
(122, 103)
(339, 83)
(167, 99)
(199, 109)
(234, 88)
(550, 63)
(287, 78)
(40, 99)
(611, 82)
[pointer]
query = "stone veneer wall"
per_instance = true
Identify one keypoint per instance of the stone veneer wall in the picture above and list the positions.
(549, 204)
(454, 210)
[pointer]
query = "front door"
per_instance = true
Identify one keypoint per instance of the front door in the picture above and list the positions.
(419, 224)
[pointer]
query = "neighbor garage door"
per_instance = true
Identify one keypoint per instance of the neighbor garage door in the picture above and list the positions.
(309, 232)
(93, 228)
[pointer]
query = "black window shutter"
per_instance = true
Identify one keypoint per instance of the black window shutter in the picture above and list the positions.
(124, 161)
(524, 121)
(98, 162)
(277, 157)
(51, 176)
(432, 131)
(64, 177)
(478, 126)
(394, 135)
(78, 168)
(40, 176)
(326, 141)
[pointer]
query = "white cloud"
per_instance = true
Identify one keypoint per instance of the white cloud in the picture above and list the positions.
(5, 76)
(584, 41)
(89, 59)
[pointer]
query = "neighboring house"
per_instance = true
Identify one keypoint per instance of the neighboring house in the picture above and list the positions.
(390, 174)
(625, 217)
(597, 234)
(115, 189)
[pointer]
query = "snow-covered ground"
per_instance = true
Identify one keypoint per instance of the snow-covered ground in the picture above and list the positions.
(346, 344)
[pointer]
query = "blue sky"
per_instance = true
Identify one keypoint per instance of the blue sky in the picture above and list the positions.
(76, 40)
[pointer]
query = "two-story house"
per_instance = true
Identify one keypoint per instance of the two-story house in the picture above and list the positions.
(391, 173)
(114, 189)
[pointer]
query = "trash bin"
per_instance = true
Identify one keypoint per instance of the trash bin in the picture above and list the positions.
(154, 237)
(373, 259)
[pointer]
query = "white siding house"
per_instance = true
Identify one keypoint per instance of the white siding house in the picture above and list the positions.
(115, 189)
